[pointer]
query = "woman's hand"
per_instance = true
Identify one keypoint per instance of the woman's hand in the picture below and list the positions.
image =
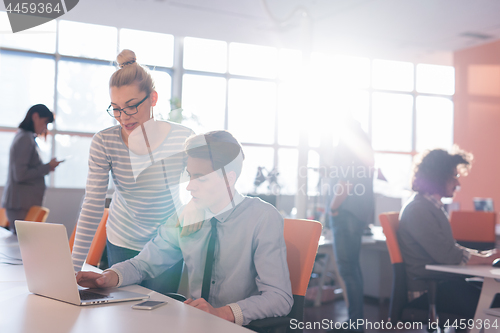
(54, 163)
(191, 219)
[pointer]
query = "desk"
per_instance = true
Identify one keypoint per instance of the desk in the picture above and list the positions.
(23, 312)
(490, 288)
(375, 264)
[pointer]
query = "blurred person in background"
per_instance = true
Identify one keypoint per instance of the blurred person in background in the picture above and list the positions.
(425, 236)
(351, 210)
(25, 185)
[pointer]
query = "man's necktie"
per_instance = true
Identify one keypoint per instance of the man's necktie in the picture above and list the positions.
(207, 276)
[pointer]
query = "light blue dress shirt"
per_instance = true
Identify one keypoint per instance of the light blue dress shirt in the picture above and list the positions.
(250, 266)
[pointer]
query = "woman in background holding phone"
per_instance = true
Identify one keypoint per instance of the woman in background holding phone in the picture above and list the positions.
(25, 185)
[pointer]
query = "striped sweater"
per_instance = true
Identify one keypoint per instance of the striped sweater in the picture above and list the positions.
(146, 190)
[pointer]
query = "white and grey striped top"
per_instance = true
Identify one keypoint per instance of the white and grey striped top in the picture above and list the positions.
(146, 195)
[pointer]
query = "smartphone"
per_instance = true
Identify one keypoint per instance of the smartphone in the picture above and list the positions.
(148, 305)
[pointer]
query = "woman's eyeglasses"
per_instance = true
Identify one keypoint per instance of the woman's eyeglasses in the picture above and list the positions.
(128, 110)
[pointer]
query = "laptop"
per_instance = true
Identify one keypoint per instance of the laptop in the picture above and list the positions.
(49, 268)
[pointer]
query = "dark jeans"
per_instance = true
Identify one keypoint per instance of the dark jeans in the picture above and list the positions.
(454, 296)
(457, 296)
(347, 232)
(167, 282)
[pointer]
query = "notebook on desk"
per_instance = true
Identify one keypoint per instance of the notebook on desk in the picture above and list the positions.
(49, 268)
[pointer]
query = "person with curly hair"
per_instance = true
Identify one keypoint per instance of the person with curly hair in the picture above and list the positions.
(425, 235)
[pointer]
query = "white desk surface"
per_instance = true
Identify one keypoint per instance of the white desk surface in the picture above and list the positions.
(476, 270)
(376, 237)
(23, 312)
(490, 288)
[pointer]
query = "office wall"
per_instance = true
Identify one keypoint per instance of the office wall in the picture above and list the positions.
(477, 120)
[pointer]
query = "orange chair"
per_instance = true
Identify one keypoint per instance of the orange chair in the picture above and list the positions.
(98, 243)
(399, 294)
(301, 238)
(475, 230)
(37, 214)
(4, 222)
(400, 309)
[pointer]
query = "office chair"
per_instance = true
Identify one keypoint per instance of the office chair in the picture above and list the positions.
(301, 238)
(98, 243)
(400, 309)
(4, 222)
(37, 214)
(475, 230)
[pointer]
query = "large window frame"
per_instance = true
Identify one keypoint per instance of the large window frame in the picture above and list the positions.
(177, 71)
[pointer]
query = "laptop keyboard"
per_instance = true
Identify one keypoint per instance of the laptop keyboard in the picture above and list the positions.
(86, 295)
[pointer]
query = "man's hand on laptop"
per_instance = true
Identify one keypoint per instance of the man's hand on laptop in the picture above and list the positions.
(95, 280)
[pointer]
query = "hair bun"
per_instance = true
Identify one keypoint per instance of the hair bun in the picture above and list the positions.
(126, 57)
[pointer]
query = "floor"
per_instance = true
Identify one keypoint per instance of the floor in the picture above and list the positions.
(336, 312)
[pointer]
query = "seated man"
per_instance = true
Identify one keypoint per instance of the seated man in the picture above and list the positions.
(236, 261)
(425, 235)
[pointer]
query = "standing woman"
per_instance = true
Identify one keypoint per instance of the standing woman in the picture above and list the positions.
(141, 154)
(25, 182)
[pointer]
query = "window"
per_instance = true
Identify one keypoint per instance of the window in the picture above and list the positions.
(255, 157)
(288, 168)
(204, 97)
(163, 86)
(253, 60)
(83, 70)
(205, 55)
(40, 39)
(75, 150)
(392, 122)
(434, 116)
(393, 115)
(83, 96)
(289, 64)
(87, 40)
(392, 75)
(289, 113)
(150, 48)
(266, 96)
(396, 168)
(435, 79)
(252, 107)
(313, 176)
(342, 71)
(6, 138)
(31, 77)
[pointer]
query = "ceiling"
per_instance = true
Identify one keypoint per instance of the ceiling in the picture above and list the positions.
(446, 25)
(372, 27)
(425, 26)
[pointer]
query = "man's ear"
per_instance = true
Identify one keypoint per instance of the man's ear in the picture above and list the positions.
(231, 178)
